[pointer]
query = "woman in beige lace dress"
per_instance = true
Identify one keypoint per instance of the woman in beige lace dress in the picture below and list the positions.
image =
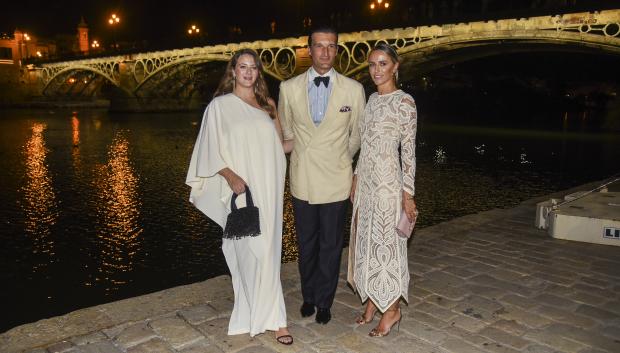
(383, 186)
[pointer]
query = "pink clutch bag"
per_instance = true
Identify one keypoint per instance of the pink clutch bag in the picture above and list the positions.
(404, 226)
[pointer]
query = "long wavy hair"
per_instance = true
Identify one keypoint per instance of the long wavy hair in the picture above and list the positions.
(227, 83)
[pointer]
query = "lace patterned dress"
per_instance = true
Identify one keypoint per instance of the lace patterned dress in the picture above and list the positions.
(378, 266)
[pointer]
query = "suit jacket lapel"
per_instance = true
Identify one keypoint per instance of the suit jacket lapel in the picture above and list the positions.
(332, 99)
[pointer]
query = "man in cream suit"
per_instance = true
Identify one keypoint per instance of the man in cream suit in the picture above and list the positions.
(319, 110)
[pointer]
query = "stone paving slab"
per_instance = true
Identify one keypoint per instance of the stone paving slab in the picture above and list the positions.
(488, 282)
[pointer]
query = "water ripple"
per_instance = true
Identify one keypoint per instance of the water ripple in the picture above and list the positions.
(118, 209)
(39, 197)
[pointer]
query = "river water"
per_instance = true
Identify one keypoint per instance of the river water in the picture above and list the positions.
(94, 206)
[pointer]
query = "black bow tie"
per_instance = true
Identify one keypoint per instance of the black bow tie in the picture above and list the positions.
(319, 79)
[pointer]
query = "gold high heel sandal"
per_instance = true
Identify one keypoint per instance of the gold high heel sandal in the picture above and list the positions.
(361, 320)
(375, 331)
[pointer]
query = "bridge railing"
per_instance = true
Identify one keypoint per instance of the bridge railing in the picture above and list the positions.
(284, 57)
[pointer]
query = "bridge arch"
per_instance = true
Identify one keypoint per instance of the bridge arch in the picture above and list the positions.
(597, 31)
(437, 52)
(422, 44)
(148, 69)
(49, 75)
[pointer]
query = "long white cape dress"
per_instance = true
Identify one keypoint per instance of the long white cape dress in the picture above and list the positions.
(243, 138)
(377, 255)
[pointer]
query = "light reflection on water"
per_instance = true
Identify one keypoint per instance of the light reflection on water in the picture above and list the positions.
(39, 197)
(75, 152)
(99, 200)
(118, 211)
(440, 156)
(75, 126)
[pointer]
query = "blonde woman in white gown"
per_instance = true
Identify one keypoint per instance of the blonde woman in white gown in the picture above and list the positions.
(240, 144)
(383, 186)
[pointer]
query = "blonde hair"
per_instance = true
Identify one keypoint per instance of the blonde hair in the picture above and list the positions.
(227, 83)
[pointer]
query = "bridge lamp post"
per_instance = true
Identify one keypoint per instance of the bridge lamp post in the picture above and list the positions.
(195, 34)
(23, 46)
(379, 8)
(379, 4)
(193, 31)
(114, 21)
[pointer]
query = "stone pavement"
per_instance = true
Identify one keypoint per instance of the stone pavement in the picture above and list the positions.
(488, 282)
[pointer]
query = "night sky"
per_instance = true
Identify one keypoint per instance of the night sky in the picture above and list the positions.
(142, 19)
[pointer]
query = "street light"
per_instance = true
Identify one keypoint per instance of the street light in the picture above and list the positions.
(114, 21)
(193, 30)
(23, 46)
(379, 4)
(95, 44)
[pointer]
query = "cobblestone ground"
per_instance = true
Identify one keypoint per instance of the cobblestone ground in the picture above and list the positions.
(488, 282)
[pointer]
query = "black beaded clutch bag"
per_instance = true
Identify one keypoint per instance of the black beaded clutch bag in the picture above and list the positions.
(242, 222)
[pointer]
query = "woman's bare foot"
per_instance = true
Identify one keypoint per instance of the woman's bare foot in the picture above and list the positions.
(369, 314)
(390, 317)
(284, 337)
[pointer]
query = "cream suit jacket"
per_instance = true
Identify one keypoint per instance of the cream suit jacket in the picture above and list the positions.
(320, 164)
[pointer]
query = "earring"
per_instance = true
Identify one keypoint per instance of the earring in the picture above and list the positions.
(396, 75)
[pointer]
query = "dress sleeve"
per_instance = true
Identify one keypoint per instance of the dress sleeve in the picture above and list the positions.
(354, 128)
(408, 125)
(207, 187)
(285, 114)
(207, 157)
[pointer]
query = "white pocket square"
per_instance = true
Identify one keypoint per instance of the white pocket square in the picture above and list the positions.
(345, 109)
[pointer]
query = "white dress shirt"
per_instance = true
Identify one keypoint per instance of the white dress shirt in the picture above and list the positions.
(318, 97)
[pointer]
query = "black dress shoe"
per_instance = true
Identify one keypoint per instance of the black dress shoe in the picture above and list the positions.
(307, 309)
(323, 316)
